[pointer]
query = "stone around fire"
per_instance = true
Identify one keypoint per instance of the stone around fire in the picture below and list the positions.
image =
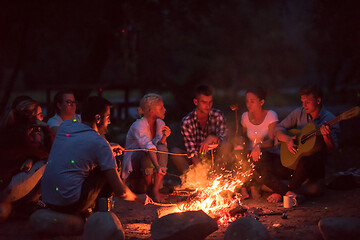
(339, 228)
(246, 228)
(191, 225)
(48, 222)
(103, 226)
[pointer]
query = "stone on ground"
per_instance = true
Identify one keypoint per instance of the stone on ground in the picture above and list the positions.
(339, 228)
(103, 226)
(191, 225)
(246, 228)
(51, 223)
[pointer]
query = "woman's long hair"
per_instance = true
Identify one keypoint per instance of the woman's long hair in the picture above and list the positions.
(21, 116)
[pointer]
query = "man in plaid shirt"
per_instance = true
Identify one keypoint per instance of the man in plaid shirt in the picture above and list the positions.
(203, 128)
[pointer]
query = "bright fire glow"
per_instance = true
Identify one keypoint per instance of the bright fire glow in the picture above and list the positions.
(217, 191)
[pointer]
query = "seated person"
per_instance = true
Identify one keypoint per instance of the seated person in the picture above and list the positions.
(201, 128)
(42, 135)
(148, 132)
(65, 107)
(22, 160)
(309, 169)
(258, 126)
(82, 165)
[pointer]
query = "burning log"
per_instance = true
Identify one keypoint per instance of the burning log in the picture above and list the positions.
(166, 210)
(237, 209)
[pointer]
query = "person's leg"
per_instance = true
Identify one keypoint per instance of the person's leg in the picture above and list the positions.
(271, 171)
(309, 168)
(181, 163)
(158, 178)
(147, 171)
(136, 180)
(22, 183)
(90, 190)
(94, 186)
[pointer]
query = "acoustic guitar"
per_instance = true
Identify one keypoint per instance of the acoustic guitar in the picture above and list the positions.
(308, 139)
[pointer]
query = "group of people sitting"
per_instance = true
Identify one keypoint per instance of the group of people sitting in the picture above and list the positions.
(71, 171)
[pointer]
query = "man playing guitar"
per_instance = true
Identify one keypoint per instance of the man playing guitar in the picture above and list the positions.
(308, 168)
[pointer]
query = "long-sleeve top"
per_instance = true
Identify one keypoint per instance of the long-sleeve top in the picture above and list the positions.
(194, 135)
(139, 136)
(299, 118)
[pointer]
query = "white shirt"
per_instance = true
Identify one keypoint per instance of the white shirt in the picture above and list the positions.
(56, 120)
(139, 136)
(257, 133)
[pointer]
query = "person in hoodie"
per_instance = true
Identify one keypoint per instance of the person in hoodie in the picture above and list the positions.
(149, 132)
(82, 166)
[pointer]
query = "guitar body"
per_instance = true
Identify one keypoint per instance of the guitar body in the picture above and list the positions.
(307, 148)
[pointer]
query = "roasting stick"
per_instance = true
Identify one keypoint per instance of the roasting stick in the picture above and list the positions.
(158, 151)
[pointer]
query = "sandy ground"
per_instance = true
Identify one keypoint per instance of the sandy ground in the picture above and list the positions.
(301, 223)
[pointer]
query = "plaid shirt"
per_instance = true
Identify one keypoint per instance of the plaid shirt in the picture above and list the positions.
(194, 135)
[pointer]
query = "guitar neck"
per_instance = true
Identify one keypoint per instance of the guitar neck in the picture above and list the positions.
(330, 123)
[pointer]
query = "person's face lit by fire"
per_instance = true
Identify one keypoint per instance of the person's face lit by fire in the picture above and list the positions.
(253, 102)
(39, 114)
(104, 121)
(310, 103)
(68, 105)
(203, 103)
(159, 110)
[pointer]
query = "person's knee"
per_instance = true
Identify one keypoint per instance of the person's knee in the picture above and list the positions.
(313, 188)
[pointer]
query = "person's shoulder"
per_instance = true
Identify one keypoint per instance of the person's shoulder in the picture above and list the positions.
(217, 112)
(244, 114)
(297, 111)
(77, 117)
(326, 113)
(160, 121)
(272, 113)
(138, 123)
(188, 116)
(54, 121)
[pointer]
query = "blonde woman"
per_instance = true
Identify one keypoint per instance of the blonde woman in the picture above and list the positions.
(148, 132)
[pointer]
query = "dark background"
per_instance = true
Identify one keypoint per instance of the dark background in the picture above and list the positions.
(123, 49)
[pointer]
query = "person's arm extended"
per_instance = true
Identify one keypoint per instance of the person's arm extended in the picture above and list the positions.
(154, 160)
(119, 188)
(54, 129)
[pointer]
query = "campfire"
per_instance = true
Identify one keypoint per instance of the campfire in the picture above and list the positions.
(214, 191)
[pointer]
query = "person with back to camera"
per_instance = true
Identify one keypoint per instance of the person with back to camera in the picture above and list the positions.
(82, 165)
(258, 126)
(65, 107)
(148, 132)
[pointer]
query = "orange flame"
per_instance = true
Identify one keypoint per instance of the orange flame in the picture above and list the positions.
(217, 193)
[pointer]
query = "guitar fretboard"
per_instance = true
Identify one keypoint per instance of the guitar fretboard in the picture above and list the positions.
(317, 131)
